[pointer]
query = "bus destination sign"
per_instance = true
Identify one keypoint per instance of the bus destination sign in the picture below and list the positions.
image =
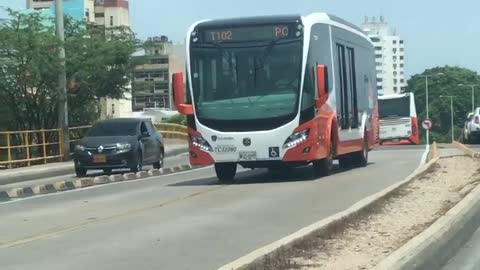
(251, 33)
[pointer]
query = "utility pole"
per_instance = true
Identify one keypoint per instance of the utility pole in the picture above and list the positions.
(62, 82)
(451, 115)
(427, 102)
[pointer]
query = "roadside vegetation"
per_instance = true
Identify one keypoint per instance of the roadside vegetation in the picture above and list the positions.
(446, 84)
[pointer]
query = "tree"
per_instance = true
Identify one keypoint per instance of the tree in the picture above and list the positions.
(98, 61)
(177, 119)
(439, 108)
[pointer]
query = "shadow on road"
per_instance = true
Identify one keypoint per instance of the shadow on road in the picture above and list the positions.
(263, 176)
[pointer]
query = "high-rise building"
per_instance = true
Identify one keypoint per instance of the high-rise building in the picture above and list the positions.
(112, 13)
(389, 56)
(108, 13)
(151, 87)
(77, 9)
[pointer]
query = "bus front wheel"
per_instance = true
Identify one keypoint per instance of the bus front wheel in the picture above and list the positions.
(324, 167)
(226, 172)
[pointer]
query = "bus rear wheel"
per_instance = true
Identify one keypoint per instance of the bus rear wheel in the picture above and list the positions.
(360, 159)
(226, 172)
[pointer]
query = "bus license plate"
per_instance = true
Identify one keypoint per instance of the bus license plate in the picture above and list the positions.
(248, 156)
(222, 149)
(100, 159)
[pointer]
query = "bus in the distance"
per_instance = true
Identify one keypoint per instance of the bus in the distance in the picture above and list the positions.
(398, 119)
(268, 92)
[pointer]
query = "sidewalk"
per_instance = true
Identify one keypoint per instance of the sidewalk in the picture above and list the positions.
(172, 148)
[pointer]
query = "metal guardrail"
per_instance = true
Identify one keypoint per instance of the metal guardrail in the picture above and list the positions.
(33, 147)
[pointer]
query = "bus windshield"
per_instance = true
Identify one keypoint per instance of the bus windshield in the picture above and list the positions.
(245, 83)
(397, 107)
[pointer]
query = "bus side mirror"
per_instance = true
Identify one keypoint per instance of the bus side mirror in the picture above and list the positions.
(179, 96)
(322, 86)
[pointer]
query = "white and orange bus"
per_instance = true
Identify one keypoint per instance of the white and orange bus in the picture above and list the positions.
(398, 119)
(267, 92)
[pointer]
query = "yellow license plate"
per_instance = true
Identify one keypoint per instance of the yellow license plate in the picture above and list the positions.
(100, 159)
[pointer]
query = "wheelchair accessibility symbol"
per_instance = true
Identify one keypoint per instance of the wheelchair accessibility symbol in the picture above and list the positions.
(274, 152)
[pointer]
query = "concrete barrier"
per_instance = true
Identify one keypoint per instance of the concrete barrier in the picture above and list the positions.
(84, 182)
(129, 176)
(100, 180)
(467, 151)
(64, 185)
(255, 259)
(432, 248)
(142, 174)
(41, 189)
(155, 172)
(116, 178)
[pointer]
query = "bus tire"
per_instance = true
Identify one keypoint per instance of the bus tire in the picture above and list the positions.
(324, 167)
(226, 172)
(361, 158)
(345, 162)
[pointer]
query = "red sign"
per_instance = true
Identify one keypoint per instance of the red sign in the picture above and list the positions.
(427, 124)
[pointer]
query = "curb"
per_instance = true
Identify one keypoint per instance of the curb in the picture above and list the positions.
(60, 186)
(64, 168)
(432, 248)
(255, 259)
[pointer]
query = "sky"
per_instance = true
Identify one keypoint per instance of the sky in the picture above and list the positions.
(436, 33)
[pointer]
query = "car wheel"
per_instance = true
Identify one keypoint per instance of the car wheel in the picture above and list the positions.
(80, 171)
(138, 163)
(324, 167)
(226, 172)
(159, 164)
(107, 171)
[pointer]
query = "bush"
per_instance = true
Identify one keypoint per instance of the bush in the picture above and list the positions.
(177, 119)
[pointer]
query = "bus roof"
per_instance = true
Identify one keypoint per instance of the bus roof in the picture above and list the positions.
(394, 96)
(250, 20)
(308, 20)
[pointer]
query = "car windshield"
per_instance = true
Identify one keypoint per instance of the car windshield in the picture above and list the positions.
(106, 129)
(398, 107)
(246, 82)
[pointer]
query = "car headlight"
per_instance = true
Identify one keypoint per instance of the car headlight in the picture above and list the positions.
(201, 143)
(124, 146)
(296, 138)
(79, 148)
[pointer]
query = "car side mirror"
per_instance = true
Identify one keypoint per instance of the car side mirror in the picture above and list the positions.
(179, 95)
(145, 134)
(322, 85)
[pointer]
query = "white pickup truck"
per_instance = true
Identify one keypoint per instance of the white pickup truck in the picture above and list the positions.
(471, 133)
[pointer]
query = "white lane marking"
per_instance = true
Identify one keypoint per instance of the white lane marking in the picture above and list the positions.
(106, 185)
(425, 155)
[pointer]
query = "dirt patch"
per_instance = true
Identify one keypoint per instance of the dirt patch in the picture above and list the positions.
(374, 235)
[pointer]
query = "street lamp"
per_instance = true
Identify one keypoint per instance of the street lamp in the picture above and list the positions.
(426, 100)
(451, 114)
(473, 94)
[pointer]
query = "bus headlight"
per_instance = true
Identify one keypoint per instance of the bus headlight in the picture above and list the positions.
(201, 143)
(296, 138)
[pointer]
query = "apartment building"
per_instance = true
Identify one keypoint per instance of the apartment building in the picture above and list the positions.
(108, 13)
(389, 56)
(151, 86)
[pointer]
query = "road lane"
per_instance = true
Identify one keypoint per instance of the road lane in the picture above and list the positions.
(468, 257)
(182, 221)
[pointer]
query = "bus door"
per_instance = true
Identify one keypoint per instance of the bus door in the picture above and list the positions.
(347, 88)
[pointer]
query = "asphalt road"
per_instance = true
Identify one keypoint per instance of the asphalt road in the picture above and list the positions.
(468, 257)
(182, 221)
